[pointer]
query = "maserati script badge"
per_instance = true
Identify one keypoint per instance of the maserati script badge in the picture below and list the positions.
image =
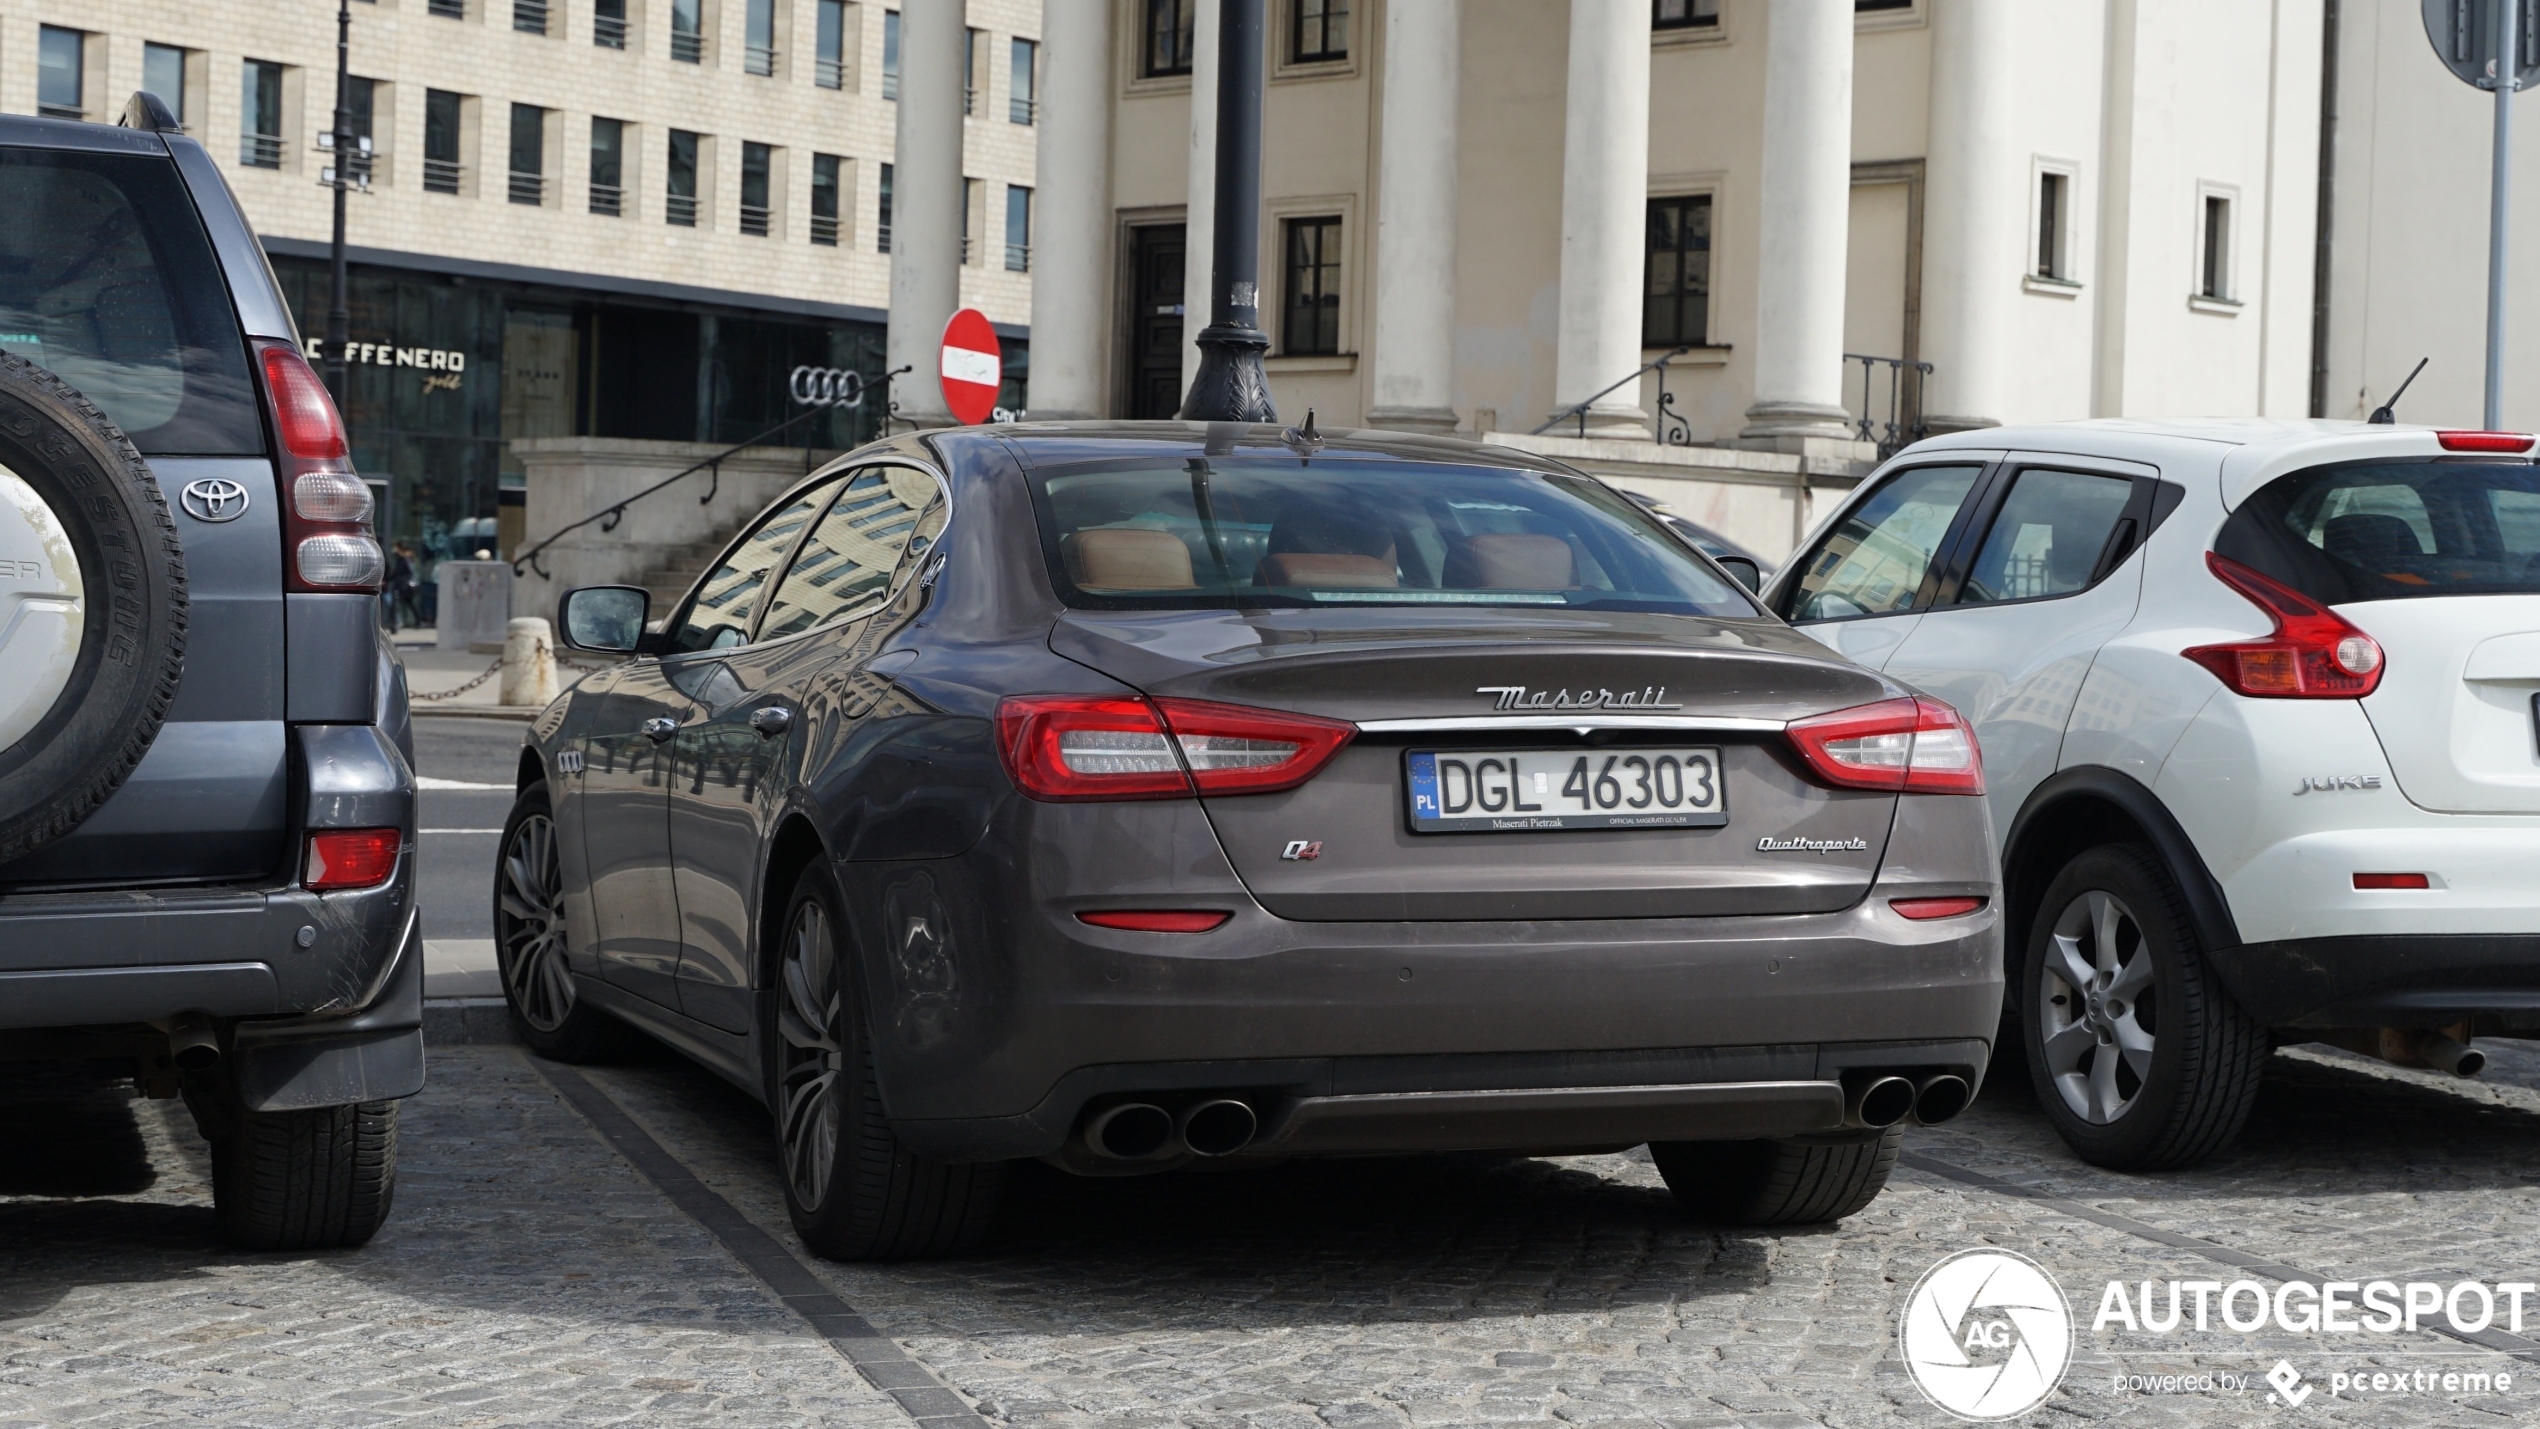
(1518, 697)
(214, 499)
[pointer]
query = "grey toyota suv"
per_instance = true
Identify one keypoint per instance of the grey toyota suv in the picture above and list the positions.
(206, 796)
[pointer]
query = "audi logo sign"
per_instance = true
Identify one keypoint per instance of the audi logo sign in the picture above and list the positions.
(828, 387)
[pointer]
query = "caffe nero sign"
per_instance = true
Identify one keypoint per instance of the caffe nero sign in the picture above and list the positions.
(440, 367)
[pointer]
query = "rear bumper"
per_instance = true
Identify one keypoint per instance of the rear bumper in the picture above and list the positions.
(2405, 980)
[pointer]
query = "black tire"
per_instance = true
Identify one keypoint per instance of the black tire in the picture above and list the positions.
(854, 1191)
(2132, 1108)
(56, 771)
(530, 945)
(1801, 1181)
(321, 1179)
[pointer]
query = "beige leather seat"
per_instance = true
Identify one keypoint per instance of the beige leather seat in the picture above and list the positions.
(1511, 562)
(1327, 571)
(1128, 558)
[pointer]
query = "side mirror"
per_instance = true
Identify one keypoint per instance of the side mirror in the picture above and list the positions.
(1742, 570)
(606, 619)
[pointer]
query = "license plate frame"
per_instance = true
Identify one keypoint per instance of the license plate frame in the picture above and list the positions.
(1431, 775)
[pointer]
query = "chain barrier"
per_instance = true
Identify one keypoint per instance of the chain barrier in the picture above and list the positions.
(490, 672)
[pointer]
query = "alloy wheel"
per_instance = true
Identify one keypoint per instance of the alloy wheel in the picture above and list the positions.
(808, 1080)
(2097, 1008)
(530, 928)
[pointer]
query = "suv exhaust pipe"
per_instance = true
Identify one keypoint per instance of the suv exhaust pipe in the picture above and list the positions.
(1218, 1128)
(1940, 1097)
(192, 1044)
(1132, 1131)
(1877, 1102)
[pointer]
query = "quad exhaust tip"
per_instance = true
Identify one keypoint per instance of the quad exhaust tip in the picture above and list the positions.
(1132, 1131)
(1940, 1097)
(1218, 1128)
(1878, 1102)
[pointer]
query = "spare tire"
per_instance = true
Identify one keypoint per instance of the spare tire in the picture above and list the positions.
(92, 607)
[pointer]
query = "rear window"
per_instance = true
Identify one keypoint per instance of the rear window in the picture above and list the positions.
(107, 279)
(1266, 532)
(2390, 531)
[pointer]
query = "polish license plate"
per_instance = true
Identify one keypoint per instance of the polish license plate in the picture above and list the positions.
(1523, 790)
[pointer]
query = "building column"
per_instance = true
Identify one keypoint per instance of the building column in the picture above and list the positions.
(1975, 209)
(1604, 211)
(1414, 384)
(1803, 223)
(1071, 252)
(1199, 221)
(926, 204)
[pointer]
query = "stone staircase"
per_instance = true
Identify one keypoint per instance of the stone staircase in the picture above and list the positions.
(671, 579)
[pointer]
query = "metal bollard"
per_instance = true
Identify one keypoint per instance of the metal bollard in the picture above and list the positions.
(529, 663)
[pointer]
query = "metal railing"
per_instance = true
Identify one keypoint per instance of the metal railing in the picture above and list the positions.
(608, 200)
(260, 151)
(882, 238)
(829, 73)
(1018, 258)
(842, 394)
(687, 47)
(1019, 110)
(1904, 425)
(61, 111)
(447, 9)
(528, 188)
(441, 176)
(969, 100)
(759, 59)
(608, 32)
(529, 16)
(824, 229)
(890, 84)
(1667, 426)
(680, 210)
(754, 220)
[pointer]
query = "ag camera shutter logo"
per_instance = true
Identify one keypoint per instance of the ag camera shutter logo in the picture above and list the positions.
(1986, 1334)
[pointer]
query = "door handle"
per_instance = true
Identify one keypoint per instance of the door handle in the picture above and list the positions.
(659, 728)
(771, 721)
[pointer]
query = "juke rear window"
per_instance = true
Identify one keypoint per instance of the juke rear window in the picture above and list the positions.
(108, 281)
(2394, 530)
(1245, 532)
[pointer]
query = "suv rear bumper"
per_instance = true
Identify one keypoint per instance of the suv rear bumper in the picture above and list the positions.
(2406, 980)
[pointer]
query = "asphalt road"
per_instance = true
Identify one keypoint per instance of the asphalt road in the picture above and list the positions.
(471, 766)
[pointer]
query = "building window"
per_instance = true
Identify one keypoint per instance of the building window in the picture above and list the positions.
(608, 167)
(1685, 15)
(2213, 269)
(529, 154)
(61, 72)
(971, 40)
(760, 56)
(688, 31)
(163, 74)
(882, 215)
(1019, 104)
(1313, 321)
(529, 16)
(890, 54)
(1018, 229)
(260, 115)
(441, 170)
(681, 195)
(447, 9)
(1676, 302)
(1167, 47)
(1865, 6)
(608, 24)
(2053, 218)
(824, 199)
(1318, 31)
(829, 67)
(758, 162)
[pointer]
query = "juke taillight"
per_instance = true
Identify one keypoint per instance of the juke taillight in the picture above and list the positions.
(2314, 654)
(1072, 748)
(328, 544)
(1911, 745)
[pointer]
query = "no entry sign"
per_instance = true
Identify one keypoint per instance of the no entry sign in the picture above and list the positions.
(973, 364)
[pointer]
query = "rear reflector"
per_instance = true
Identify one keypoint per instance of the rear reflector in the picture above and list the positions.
(1158, 921)
(2485, 441)
(2314, 653)
(350, 858)
(1065, 748)
(1920, 909)
(1915, 745)
(2393, 880)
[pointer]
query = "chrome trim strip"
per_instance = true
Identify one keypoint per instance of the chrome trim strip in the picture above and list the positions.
(1582, 723)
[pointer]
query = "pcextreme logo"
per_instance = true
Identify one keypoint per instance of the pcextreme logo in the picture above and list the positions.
(1986, 1334)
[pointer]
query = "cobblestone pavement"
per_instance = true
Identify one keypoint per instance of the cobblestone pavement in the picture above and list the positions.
(531, 1276)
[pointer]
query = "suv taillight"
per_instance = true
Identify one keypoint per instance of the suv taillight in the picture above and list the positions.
(1917, 746)
(1069, 748)
(2313, 655)
(349, 858)
(326, 508)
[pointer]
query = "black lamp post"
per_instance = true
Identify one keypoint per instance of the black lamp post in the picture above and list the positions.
(339, 317)
(1232, 385)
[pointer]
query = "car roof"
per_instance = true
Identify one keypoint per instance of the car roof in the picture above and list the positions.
(2243, 453)
(20, 131)
(1048, 444)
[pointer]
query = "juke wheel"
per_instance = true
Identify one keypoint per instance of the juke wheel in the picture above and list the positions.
(530, 944)
(2140, 1058)
(854, 1191)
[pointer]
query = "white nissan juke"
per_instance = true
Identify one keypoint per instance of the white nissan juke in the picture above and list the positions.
(2260, 711)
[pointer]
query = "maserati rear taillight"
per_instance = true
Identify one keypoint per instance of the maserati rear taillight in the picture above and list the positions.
(1161, 920)
(326, 513)
(1914, 745)
(1065, 748)
(1925, 909)
(2314, 653)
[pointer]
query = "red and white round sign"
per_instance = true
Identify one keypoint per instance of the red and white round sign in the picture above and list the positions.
(973, 364)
